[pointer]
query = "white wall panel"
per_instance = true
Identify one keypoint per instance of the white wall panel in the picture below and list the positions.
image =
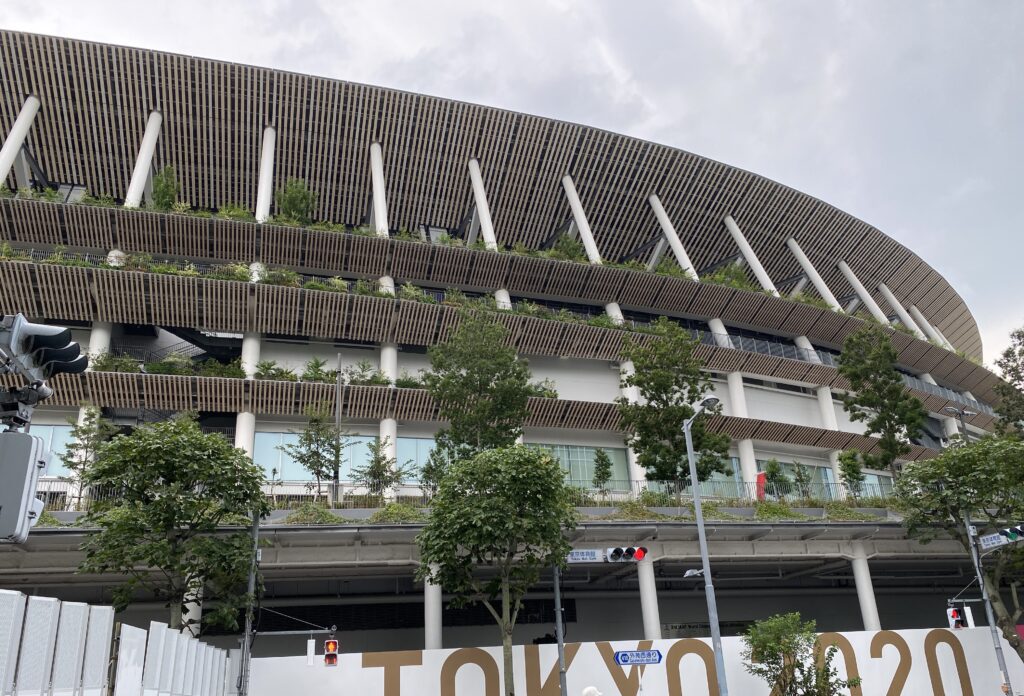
(782, 406)
(154, 658)
(577, 379)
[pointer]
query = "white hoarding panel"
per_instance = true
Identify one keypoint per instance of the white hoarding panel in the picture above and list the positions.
(167, 661)
(12, 613)
(97, 651)
(180, 657)
(154, 657)
(131, 661)
(71, 632)
(38, 638)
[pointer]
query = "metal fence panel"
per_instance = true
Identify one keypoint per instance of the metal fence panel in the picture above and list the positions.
(97, 651)
(12, 614)
(71, 632)
(131, 661)
(154, 656)
(38, 639)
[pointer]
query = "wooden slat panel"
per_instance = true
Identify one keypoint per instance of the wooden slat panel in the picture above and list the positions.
(121, 296)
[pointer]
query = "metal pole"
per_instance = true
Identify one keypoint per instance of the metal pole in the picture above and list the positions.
(243, 672)
(709, 589)
(559, 633)
(972, 547)
(337, 430)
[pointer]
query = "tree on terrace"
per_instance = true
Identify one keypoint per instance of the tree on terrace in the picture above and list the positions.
(1011, 391)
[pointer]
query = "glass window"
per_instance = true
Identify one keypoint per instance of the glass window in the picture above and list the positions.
(55, 438)
(578, 462)
(267, 454)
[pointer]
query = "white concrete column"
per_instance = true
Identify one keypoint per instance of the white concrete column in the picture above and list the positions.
(265, 187)
(649, 598)
(812, 273)
(719, 333)
(99, 338)
(863, 294)
(16, 136)
(669, 230)
(192, 614)
(738, 409)
(389, 360)
(580, 216)
(827, 408)
(250, 353)
(865, 590)
(433, 606)
(379, 192)
(804, 344)
(934, 334)
(613, 310)
(749, 256)
(637, 473)
(902, 313)
(483, 211)
(245, 431)
(950, 427)
(502, 299)
(144, 162)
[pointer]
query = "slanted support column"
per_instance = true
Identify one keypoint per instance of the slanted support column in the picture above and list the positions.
(433, 606)
(144, 162)
(11, 148)
(934, 334)
(749, 256)
(649, 598)
(379, 208)
(863, 294)
(245, 421)
(483, 211)
(669, 230)
(192, 614)
(99, 338)
(950, 428)
(265, 188)
(902, 313)
(580, 217)
(865, 590)
(812, 273)
(719, 333)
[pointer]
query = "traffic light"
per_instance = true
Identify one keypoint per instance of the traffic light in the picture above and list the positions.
(1013, 533)
(625, 554)
(22, 458)
(42, 351)
(331, 652)
(955, 617)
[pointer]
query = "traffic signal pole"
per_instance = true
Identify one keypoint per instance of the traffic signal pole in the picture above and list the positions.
(560, 633)
(243, 672)
(993, 629)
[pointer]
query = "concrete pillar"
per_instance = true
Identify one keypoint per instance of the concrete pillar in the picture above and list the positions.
(950, 426)
(144, 162)
(738, 408)
(389, 360)
(865, 590)
(483, 211)
(804, 344)
(812, 273)
(674, 243)
(192, 613)
(379, 192)
(863, 294)
(719, 333)
(16, 136)
(250, 353)
(934, 334)
(749, 256)
(265, 187)
(827, 408)
(902, 313)
(649, 598)
(99, 338)
(245, 431)
(637, 473)
(580, 216)
(433, 606)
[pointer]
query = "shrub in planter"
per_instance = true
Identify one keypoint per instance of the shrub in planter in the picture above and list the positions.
(365, 374)
(215, 368)
(232, 271)
(165, 189)
(281, 276)
(173, 364)
(109, 362)
(101, 201)
(269, 369)
(407, 381)
(325, 226)
(233, 211)
(9, 253)
(295, 202)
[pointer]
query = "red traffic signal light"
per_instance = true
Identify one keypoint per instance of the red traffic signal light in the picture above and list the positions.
(623, 554)
(331, 652)
(639, 554)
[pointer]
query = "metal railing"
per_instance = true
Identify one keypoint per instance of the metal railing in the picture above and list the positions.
(946, 393)
(65, 495)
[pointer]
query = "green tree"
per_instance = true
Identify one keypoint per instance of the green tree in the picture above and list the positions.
(87, 437)
(602, 471)
(802, 479)
(503, 512)
(782, 651)
(878, 396)
(778, 483)
(669, 378)
(176, 486)
(852, 473)
(481, 388)
(320, 446)
(295, 202)
(985, 481)
(1011, 390)
(381, 472)
(165, 189)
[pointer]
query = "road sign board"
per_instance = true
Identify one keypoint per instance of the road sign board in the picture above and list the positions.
(638, 657)
(992, 541)
(586, 556)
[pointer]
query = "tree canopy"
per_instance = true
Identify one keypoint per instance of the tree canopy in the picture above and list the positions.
(1011, 390)
(171, 489)
(320, 446)
(985, 480)
(669, 377)
(879, 397)
(88, 435)
(497, 520)
(481, 388)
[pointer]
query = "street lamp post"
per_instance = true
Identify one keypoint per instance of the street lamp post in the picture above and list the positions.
(972, 548)
(709, 588)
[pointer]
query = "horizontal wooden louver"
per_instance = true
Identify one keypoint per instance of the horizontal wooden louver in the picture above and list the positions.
(68, 390)
(567, 279)
(416, 323)
(487, 271)
(314, 395)
(366, 256)
(524, 273)
(367, 402)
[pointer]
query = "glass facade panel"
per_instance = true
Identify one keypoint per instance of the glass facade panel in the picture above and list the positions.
(268, 455)
(56, 438)
(578, 462)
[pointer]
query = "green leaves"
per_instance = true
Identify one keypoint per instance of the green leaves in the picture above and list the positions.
(321, 444)
(295, 202)
(1011, 390)
(669, 378)
(879, 397)
(176, 486)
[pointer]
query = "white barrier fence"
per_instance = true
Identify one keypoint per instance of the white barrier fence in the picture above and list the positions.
(54, 648)
(891, 663)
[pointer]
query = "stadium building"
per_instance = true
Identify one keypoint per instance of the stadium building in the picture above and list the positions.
(427, 201)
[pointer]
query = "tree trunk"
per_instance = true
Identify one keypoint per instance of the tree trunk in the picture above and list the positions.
(175, 620)
(506, 640)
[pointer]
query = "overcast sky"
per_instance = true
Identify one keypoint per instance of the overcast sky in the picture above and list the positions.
(907, 114)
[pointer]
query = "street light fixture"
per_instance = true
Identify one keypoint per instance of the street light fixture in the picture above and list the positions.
(709, 589)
